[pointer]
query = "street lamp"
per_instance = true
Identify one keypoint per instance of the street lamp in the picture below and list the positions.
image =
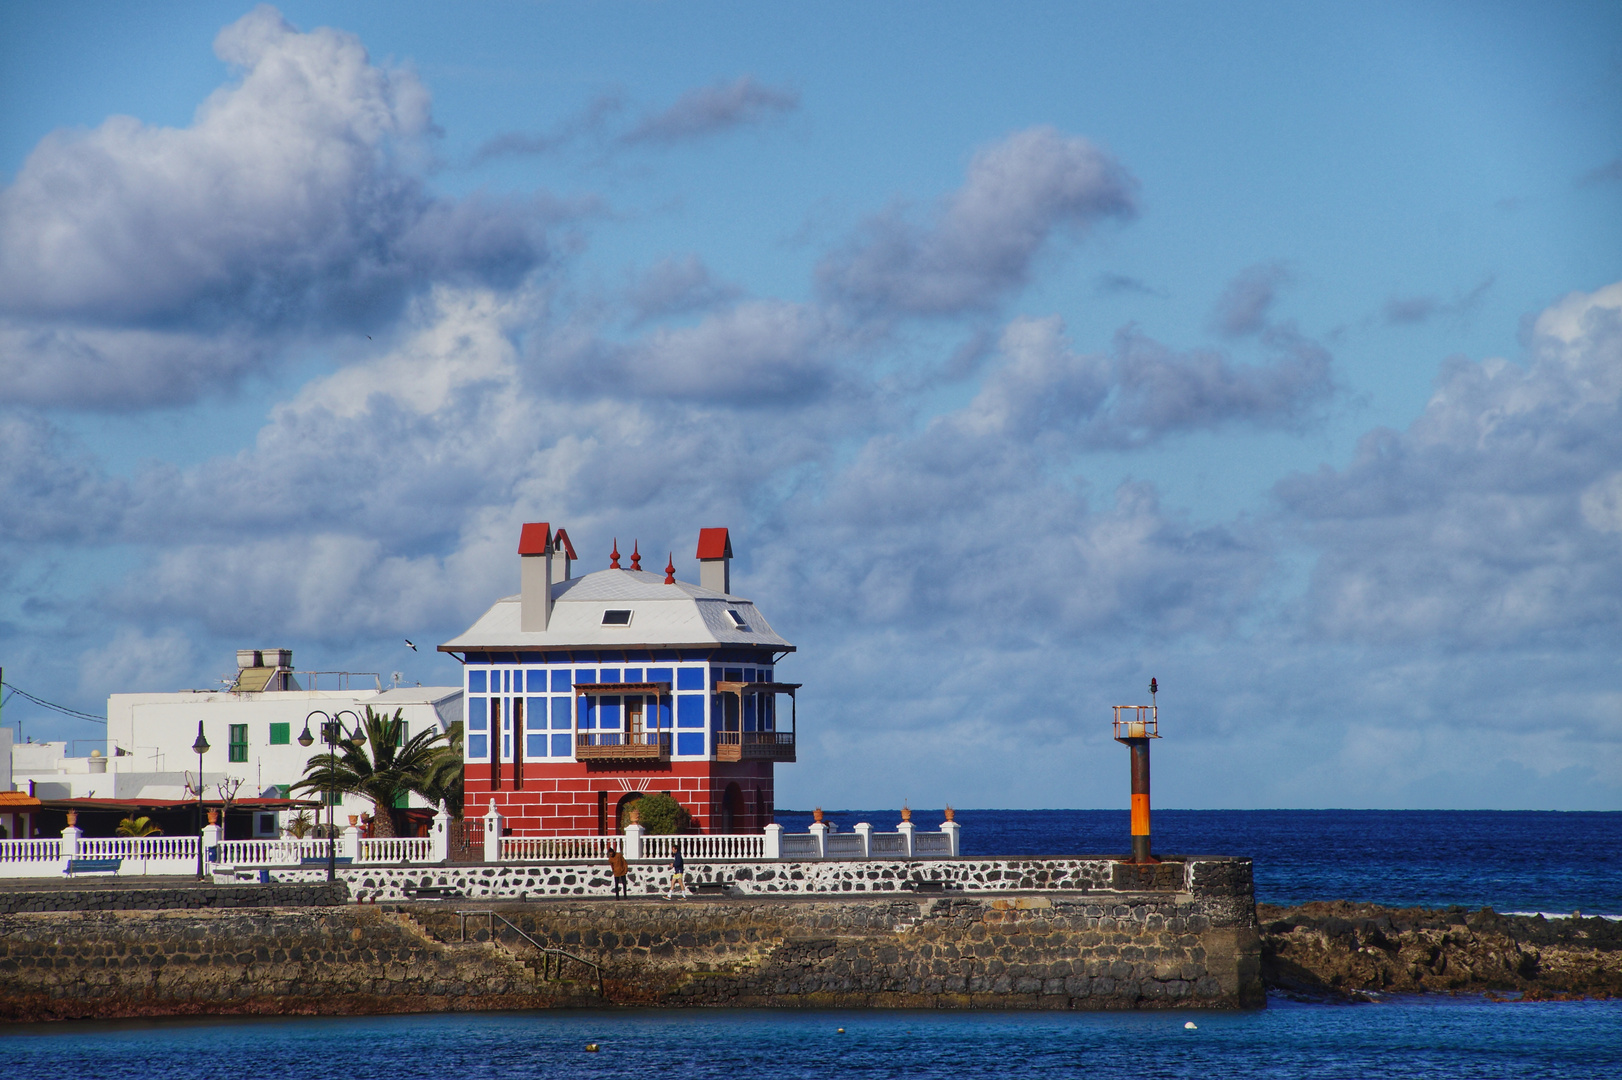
(331, 731)
(200, 747)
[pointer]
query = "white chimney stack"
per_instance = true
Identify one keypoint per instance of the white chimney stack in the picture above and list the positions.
(715, 560)
(543, 560)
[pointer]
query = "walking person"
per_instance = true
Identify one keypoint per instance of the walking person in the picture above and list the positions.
(616, 866)
(678, 874)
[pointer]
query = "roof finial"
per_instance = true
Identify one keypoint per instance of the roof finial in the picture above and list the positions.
(614, 556)
(636, 556)
(670, 569)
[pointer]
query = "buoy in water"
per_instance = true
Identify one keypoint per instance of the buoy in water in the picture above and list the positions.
(1191, 1026)
(841, 1031)
(591, 1047)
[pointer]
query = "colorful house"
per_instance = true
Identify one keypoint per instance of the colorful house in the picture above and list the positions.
(583, 694)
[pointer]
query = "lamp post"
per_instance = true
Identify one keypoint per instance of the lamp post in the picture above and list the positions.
(200, 747)
(331, 731)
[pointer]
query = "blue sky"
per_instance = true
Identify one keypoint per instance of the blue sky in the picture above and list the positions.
(1271, 350)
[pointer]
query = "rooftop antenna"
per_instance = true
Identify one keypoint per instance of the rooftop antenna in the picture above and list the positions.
(1135, 725)
(398, 677)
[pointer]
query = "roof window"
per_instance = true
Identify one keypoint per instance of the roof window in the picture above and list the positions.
(737, 619)
(617, 617)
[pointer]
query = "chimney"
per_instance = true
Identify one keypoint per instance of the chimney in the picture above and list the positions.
(543, 560)
(715, 560)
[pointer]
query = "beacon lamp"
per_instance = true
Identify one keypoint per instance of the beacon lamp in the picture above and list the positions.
(200, 747)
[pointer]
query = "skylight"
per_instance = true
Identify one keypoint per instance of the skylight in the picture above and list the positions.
(737, 619)
(617, 617)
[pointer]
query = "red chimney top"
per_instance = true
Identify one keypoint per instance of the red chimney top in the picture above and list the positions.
(534, 537)
(714, 544)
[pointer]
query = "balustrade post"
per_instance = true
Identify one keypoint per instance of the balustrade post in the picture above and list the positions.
(952, 829)
(349, 847)
(633, 841)
(70, 841)
(774, 841)
(819, 830)
(210, 839)
(439, 836)
(905, 829)
(865, 831)
(492, 835)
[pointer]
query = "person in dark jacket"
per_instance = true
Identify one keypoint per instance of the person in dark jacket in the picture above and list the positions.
(678, 874)
(616, 865)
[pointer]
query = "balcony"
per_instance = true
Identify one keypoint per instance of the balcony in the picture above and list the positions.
(754, 746)
(637, 746)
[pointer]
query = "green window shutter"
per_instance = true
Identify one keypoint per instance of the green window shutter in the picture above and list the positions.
(281, 734)
(239, 742)
(284, 790)
(402, 800)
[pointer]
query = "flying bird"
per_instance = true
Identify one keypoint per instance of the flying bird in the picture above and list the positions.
(410, 646)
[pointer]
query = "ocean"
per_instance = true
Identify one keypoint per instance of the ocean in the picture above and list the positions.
(1512, 861)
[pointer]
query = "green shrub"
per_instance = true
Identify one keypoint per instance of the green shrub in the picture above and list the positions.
(661, 815)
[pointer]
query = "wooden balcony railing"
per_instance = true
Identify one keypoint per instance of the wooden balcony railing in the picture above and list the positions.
(622, 746)
(754, 746)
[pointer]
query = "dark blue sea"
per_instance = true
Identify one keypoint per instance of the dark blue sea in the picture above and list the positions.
(1551, 862)
(1510, 861)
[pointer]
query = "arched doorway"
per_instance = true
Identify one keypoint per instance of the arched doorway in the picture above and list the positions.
(625, 812)
(731, 808)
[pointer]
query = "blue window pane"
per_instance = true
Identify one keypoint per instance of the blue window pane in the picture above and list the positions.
(475, 681)
(535, 745)
(478, 713)
(561, 683)
(610, 713)
(535, 713)
(690, 678)
(659, 674)
(765, 674)
(561, 747)
(748, 674)
(749, 712)
(690, 742)
(633, 674)
(588, 712)
(609, 675)
(734, 674)
(585, 675)
(690, 711)
(560, 713)
(535, 682)
(663, 718)
(478, 747)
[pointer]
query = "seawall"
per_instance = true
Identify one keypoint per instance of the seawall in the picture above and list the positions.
(1100, 948)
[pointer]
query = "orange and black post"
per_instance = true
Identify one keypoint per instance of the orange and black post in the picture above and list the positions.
(1135, 725)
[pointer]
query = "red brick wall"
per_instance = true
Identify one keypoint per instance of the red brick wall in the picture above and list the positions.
(562, 799)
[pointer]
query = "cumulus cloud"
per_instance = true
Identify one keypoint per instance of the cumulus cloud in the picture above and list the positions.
(980, 244)
(1243, 306)
(1489, 520)
(710, 110)
(677, 286)
(1141, 390)
(289, 202)
(52, 490)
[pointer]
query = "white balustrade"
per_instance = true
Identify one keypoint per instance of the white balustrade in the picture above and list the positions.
(36, 850)
(558, 848)
(136, 847)
(724, 846)
(395, 849)
(287, 852)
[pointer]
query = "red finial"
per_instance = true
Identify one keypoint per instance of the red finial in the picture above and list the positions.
(670, 569)
(614, 556)
(636, 556)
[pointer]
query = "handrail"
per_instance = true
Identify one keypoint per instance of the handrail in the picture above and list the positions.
(547, 951)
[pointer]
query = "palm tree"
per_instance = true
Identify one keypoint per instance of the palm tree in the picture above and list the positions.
(138, 826)
(381, 766)
(442, 783)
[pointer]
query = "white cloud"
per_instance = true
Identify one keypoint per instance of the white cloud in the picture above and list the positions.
(981, 243)
(1243, 306)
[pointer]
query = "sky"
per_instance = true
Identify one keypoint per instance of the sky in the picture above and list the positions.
(1273, 351)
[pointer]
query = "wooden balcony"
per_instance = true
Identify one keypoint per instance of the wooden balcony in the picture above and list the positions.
(618, 746)
(754, 746)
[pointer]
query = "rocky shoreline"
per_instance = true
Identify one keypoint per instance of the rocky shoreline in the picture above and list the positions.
(1351, 952)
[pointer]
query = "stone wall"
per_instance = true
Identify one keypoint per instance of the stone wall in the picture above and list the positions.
(1061, 950)
(153, 896)
(1202, 876)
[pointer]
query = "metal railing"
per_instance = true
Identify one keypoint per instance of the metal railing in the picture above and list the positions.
(1136, 721)
(931, 843)
(548, 952)
(706, 846)
(558, 848)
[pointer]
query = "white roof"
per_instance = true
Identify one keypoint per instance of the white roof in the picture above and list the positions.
(661, 615)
